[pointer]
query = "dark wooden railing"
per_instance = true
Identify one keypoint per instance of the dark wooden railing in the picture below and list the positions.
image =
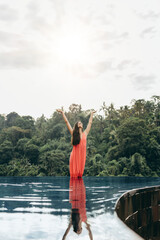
(139, 209)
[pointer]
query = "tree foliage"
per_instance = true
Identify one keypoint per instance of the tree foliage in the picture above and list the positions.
(122, 142)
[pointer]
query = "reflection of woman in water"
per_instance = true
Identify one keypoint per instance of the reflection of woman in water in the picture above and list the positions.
(78, 154)
(77, 197)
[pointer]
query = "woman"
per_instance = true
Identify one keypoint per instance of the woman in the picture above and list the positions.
(77, 198)
(78, 154)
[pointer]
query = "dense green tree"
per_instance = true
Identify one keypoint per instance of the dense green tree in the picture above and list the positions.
(132, 137)
(6, 151)
(94, 165)
(13, 134)
(153, 154)
(122, 142)
(25, 122)
(2, 122)
(138, 166)
(11, 119)
(138, 107)
(53, 163)
(21, 146)
(32, 152)
(57, 131)
(41, 129)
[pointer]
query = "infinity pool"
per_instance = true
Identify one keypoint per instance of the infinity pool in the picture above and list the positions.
(42, 207)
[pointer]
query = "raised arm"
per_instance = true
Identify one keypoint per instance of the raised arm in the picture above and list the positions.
(89, 231)
(66, 121)
(89, 123)
(66, 232)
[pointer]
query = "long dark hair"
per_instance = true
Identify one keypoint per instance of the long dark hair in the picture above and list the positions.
(75, 216)
(76, 135)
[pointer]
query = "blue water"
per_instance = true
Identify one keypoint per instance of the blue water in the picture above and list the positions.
(41, 208)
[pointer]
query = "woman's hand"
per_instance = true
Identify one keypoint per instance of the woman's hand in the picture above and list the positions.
(87, 225)
(59, 110)
(93, 111)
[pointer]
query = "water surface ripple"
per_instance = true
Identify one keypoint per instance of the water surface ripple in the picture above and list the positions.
(42, 207)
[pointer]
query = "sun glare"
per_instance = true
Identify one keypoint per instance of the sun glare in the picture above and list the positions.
(71, 49)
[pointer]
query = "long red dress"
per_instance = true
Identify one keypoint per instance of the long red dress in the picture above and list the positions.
(78, 158)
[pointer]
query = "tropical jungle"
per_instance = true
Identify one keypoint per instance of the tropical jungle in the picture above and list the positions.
(123, 141)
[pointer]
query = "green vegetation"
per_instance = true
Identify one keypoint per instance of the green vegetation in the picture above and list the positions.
(122, 142)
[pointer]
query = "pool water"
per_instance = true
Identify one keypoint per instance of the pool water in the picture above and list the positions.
(53, 207)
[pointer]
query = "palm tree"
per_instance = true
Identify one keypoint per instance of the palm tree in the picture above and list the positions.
(138, 107)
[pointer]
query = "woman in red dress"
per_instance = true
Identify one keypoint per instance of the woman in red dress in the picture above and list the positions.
(78, 154)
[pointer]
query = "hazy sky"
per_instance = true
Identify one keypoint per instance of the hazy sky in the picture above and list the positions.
(57, 52)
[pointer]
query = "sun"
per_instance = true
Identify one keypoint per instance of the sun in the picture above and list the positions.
(71, 48)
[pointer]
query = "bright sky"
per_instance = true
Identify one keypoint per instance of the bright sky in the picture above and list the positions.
(57, 52)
